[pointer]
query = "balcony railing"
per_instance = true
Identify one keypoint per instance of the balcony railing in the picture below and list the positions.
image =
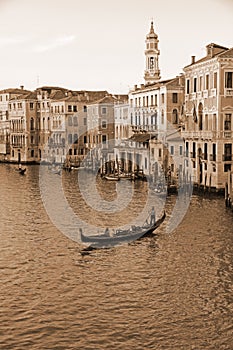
(227, 134)
(205, 94)
(227, 157)
(199, 134)
(228, 92)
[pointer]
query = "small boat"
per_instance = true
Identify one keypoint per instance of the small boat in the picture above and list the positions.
(111, 177)
(123, 236)
(21, 171)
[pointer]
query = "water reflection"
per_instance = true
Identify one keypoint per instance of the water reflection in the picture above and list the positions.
(171, 291)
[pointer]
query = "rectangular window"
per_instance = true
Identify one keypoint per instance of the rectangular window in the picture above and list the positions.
(69, 108)
(227, 167)
(172, 150)
(75, 108)
(104, 124)
(228, 80)
(215, 80)
(104, 110)
(227, 122)
(160, 152)
(195, 84)
(152, 100)
(104, 139)
(156, 102)
(187, 86)
(84, 121)
(205, 151)
(227, 152)
(201, 83)
(207, 81)
(31, 105)
(145, 163)
(162, 97)
(181, 150)
(194, 150)
(174, 97)
(214, 152)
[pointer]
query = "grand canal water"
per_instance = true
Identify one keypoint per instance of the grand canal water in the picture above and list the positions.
(172, 291)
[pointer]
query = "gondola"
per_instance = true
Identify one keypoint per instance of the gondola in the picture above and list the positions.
(122, 236)
(21, 171)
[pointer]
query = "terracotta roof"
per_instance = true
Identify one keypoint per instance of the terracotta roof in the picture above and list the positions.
(141, 137)
(228, 53)
(224, 53)
(14, 91)
(29, 96)
(110, 99)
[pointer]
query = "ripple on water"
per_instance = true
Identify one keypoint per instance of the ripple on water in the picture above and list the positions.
(171, 291)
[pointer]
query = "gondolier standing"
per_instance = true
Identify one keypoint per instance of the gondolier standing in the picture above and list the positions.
(152, 216)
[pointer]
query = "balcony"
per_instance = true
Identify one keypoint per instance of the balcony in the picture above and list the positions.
(227, 134)
(213, 92)
(227, 157)
(206, 135)
(205, 94)
(228, 92)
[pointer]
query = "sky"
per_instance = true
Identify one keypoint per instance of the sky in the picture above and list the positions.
(99, 44)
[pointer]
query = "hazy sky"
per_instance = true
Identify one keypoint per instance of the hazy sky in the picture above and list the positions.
(98, 45)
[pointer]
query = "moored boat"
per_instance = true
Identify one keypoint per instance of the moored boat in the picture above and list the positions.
(112, 177)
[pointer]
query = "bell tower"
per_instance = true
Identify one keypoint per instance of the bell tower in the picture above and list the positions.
(152, 72)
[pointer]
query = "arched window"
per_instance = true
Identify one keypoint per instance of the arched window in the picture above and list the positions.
(70, 139)
(200, 116)
(70, 121)
(75, 138)
(162, 117)
(174, 116)
(32, 124)
(75, 120)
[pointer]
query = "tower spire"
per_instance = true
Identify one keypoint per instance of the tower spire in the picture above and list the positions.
(152, 72)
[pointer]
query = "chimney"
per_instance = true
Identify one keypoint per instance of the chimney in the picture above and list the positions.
(142, 86)
(21, 87)
(135, 87)
(193, 59)
(181, 79)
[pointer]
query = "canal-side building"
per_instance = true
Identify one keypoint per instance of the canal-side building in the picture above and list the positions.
(208, 109)
(155, 109)
(24, 128)
(100, 137)
(5, 96)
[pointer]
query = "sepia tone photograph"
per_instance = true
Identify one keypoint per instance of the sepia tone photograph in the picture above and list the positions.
(116, 175)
